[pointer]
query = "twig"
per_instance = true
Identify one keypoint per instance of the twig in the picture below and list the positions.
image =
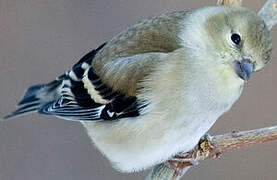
(213, 147)
(229, 2)
(269, 13)
(231, 141)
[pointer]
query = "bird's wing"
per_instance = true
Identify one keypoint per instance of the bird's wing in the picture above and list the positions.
(84, 96)
(104, 84)
(160, 34)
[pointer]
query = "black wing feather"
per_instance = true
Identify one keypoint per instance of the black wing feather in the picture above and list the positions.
(76, 103)
(66, 97)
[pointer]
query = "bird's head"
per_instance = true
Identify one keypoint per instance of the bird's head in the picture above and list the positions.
(233, 37)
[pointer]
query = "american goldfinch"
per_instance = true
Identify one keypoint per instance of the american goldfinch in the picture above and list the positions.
(157, 87)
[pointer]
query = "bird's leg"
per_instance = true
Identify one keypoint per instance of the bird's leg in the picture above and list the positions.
(182, 160)
(205, 146)
(178, 166)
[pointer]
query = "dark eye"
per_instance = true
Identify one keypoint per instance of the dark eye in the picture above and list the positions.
(236, 38)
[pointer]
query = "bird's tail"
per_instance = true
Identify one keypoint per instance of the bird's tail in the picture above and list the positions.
(36, 97)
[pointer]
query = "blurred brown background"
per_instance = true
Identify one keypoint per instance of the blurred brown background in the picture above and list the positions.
(40, 39)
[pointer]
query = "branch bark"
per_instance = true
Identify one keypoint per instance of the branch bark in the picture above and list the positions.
(269, 13)
(229, 2)
(212, 147)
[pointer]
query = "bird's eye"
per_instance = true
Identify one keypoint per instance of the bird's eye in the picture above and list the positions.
(236, 38)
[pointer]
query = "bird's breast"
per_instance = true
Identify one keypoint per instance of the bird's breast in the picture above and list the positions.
(180, 112)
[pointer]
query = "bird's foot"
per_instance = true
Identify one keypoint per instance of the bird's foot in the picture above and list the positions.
(178, 165)
(205, 147)
(201, 151)
(179, 162)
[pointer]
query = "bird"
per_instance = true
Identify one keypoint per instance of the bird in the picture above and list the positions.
(157, 87)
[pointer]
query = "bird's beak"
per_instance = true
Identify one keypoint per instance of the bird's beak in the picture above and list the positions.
(244, 69)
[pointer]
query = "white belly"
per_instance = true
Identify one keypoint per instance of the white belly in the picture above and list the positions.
(133, 144)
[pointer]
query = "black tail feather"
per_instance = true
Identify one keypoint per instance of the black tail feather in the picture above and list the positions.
(36, 97)
(40, 96)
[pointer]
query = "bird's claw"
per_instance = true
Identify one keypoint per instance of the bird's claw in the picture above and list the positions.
(205, 147)
(182, 160)
(179, 162)
(178, 165)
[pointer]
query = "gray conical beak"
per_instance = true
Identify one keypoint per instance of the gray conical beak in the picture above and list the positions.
(244, 69)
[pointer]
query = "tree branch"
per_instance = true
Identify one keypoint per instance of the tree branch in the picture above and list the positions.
(229, 2)
(212, 147)
(269, 13)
